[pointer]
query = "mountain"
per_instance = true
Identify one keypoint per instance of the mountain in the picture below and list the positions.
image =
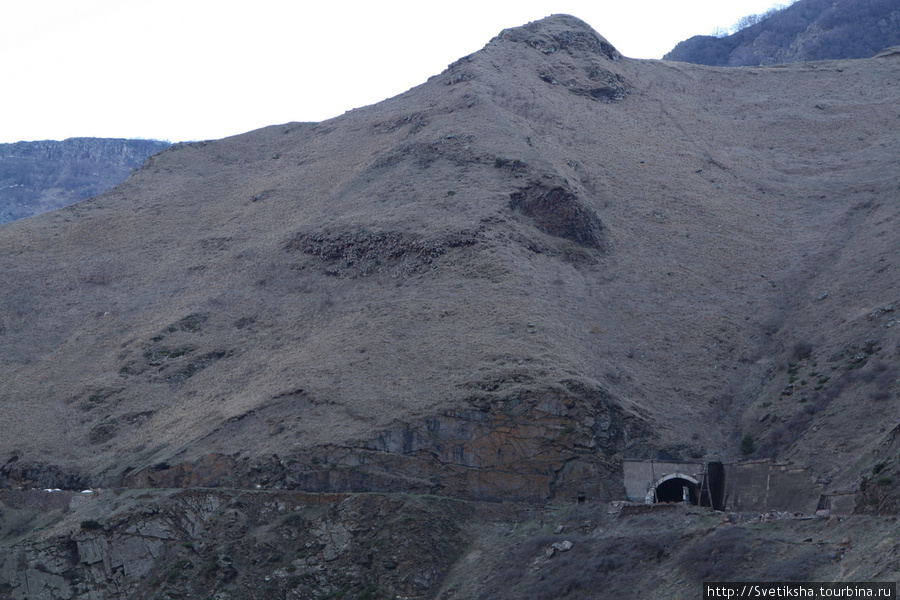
(807, 30)
(39, 176)
(392, 353)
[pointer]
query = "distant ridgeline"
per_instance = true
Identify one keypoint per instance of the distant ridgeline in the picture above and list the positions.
(39, 176)
(805, 31)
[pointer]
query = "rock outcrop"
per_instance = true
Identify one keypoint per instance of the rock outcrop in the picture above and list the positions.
(558, 444)
(233, 544)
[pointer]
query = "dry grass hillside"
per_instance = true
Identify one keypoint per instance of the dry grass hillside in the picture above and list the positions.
(542, 260)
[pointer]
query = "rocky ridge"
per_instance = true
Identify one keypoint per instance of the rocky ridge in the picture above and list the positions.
(807, 30)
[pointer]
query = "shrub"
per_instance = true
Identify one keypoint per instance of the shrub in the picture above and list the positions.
(748, 446)
(91, 525)
(802, 350)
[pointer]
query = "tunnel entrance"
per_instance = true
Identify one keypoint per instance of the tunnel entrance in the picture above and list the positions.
(756, 486)
(677, 488)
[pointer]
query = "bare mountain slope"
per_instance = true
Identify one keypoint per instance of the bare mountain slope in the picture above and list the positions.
(494, 285)
(39, 176)
(806, 30)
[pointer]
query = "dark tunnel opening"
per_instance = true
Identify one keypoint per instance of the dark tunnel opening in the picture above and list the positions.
(678, 489)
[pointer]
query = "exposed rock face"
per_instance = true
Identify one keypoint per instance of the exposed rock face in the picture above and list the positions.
(40, 176)
(560, 443)
(807, 30)
(242, 545)
(558, 212)
(362, 253)
(238, 545)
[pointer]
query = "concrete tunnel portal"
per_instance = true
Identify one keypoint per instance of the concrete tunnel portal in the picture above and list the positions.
(675, 487)
(744, 486)
(666, 482)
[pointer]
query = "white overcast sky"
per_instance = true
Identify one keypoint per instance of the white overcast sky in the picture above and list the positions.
(184, 70)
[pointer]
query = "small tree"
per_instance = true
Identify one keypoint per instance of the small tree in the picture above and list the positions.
(748, 446)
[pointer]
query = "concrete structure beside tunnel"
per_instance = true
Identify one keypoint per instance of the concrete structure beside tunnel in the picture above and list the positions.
(750, 486)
